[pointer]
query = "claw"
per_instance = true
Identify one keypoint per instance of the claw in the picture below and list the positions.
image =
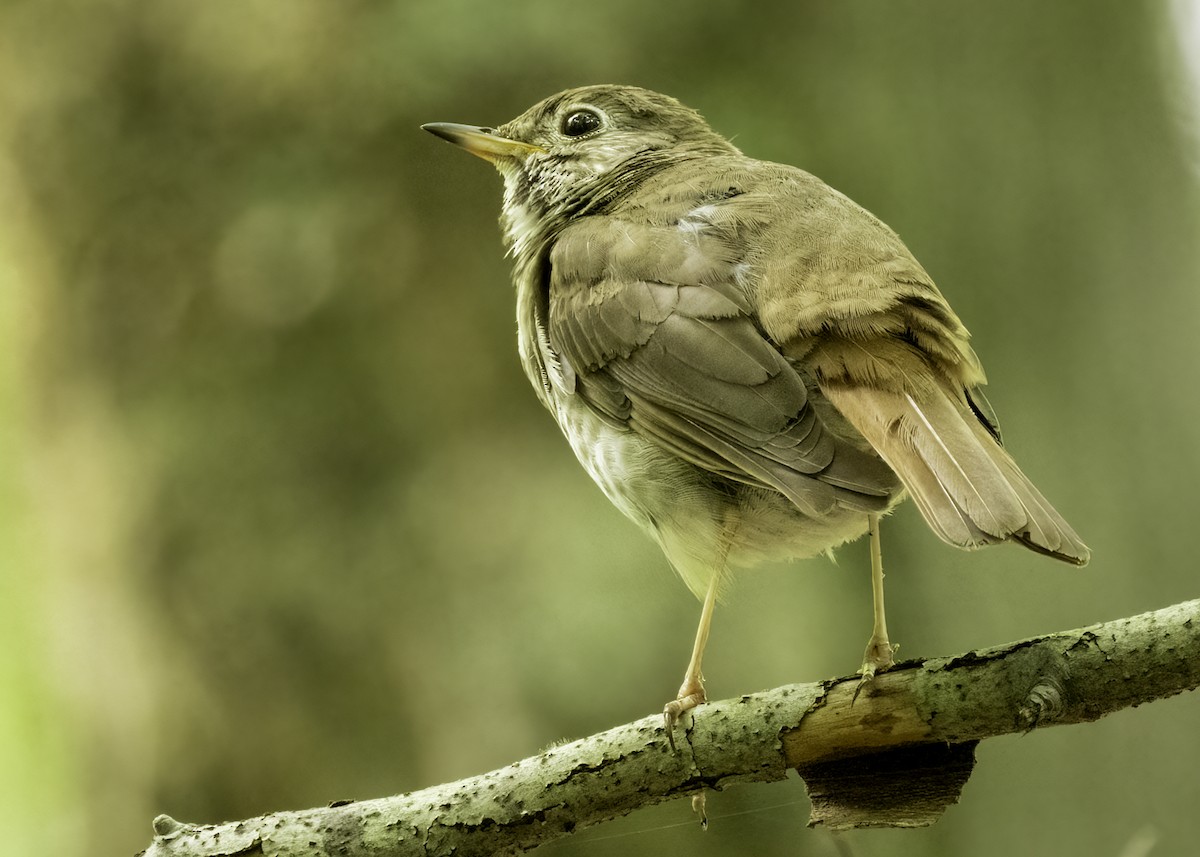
(879, 657)
(689, 698)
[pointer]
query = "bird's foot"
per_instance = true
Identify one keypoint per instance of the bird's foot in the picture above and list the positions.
(691, 694)
(879, 657)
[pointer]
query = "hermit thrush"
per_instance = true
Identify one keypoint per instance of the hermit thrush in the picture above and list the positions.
(749, 364)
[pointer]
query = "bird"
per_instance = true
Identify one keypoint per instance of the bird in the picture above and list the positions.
(750, 365)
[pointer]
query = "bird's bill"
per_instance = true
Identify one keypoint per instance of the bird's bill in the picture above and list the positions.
(481, 142)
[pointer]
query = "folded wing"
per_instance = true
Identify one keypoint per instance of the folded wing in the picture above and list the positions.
(660, 337)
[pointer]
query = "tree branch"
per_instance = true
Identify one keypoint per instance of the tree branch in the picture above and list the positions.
(940, 703)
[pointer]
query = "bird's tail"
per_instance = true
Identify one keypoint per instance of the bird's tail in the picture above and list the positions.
(967, 486)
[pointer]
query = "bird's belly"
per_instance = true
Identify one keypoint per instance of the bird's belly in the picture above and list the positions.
(616, 459)
(703, 522)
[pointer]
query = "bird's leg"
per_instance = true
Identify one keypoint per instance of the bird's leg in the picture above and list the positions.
(878, 656)
(691, 692)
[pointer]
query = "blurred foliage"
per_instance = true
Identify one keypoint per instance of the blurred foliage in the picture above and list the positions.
(282, 522)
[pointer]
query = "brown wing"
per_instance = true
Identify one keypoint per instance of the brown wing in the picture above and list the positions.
(661, 337)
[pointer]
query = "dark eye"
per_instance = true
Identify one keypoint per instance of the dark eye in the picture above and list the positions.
(580, 122)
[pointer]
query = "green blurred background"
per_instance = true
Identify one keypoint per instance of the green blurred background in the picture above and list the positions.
(281, 521)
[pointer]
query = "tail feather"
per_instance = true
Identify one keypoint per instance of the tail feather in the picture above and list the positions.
(969, 475)
(968, 488)
(1047, 532)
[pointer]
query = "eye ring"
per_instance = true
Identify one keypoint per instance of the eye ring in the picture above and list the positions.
(580, 122)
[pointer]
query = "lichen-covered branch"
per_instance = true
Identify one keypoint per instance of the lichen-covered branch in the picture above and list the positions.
(1069, 677)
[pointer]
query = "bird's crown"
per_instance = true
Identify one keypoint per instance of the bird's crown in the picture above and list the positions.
(605, 124)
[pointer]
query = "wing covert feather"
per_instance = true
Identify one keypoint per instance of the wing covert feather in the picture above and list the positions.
(683, 363)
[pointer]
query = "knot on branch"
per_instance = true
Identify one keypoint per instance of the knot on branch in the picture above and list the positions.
(1046, 700)
(166, 827)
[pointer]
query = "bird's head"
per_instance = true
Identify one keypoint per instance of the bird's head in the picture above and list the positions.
(563, 151)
